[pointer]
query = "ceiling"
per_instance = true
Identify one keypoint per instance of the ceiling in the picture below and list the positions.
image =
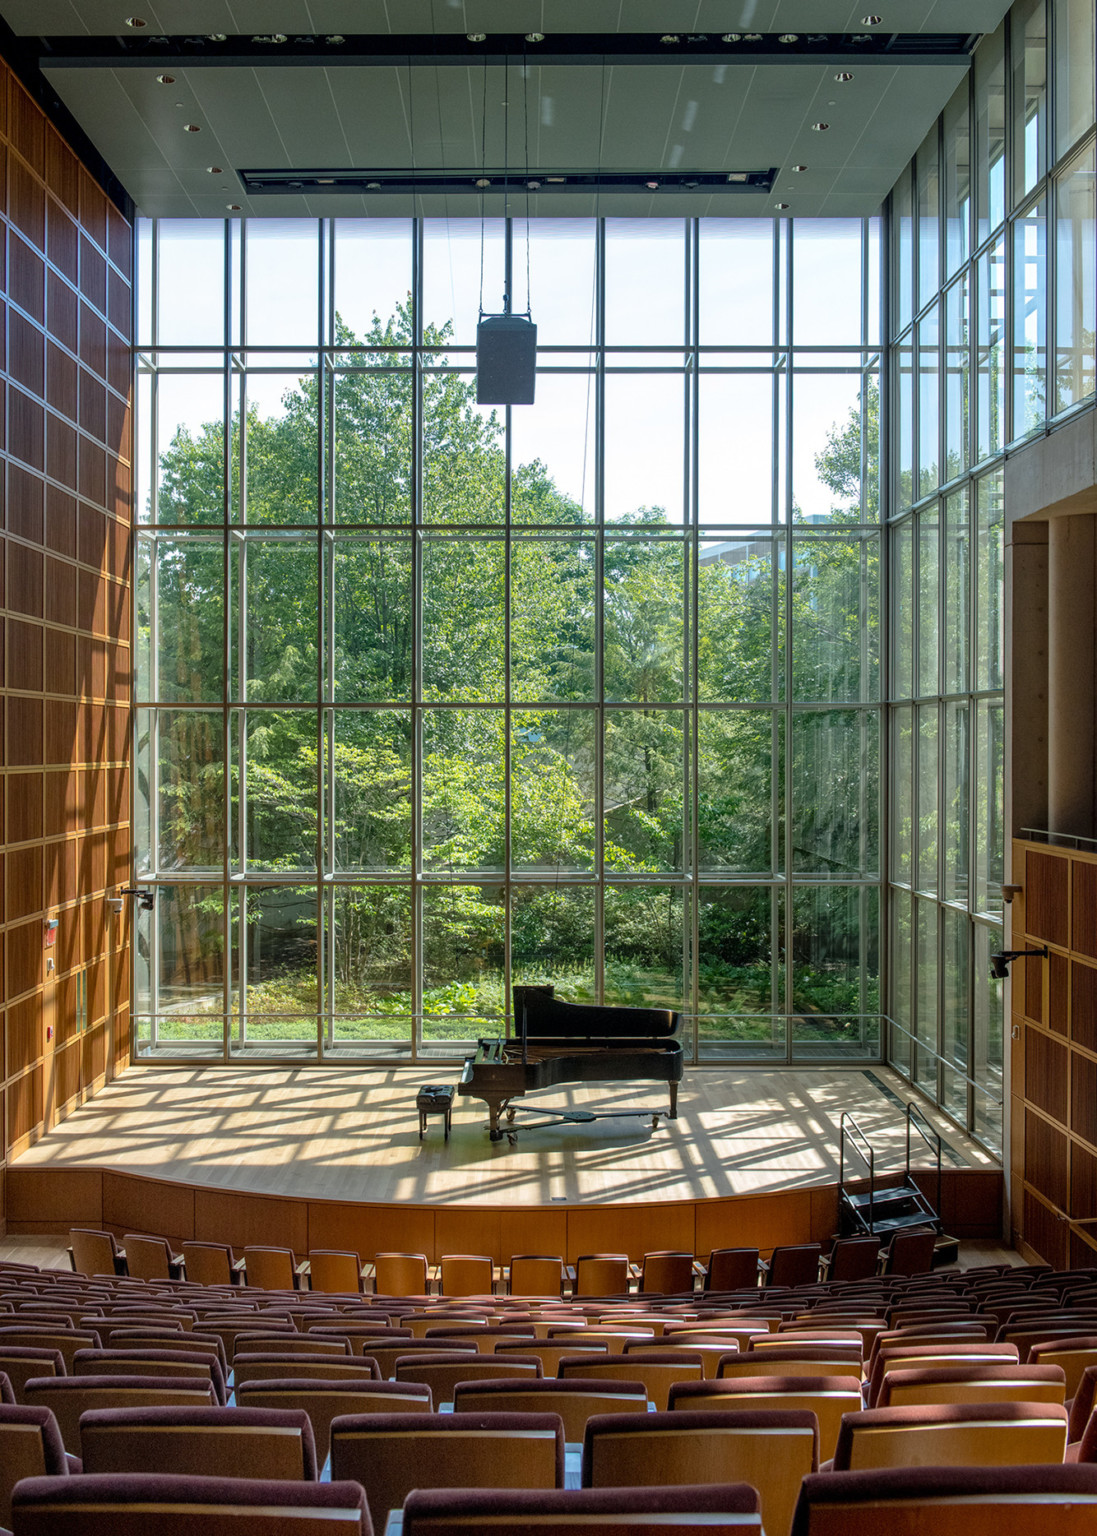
(386, 84)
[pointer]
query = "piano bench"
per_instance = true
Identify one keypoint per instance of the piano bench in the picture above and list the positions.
(434, 1099)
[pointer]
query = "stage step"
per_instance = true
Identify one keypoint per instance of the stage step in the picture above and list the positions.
(892, 1210)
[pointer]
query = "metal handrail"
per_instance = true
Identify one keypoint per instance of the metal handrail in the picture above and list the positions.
(867, 1156)
(932, 1139)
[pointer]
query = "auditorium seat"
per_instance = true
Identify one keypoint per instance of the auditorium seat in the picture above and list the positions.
(207, 1442)
(924, 1356)
(768, 1448)
(30, 1446)
(271, 1367)
(575, 1399)
(310, 1343)
(949, 1501)
(324, 1401)
(19, 1363)
(613, 1511)
(95, 1253)
(850, 1258)
(270, 1269)
(710, 1354)
(667, 1272)
(535, 1274)
(65, 1341)
(951, 1435)
(792, 1264)
(601, 1274)
(193, 1365)
(147, 1504)
(150, 1258)
(212, 1264)
(730, 1269)
(422, 1321)
(657, 1370)
(466, 1274)
(909, 1253)
(551, 1352)
(972, 1384)
(1074, 1354)
(400, 1274)
(390, 1454)
(486, 1336)
(336, 1270)
(829, 1398)
(386, 1355)
(1080, 1406)
(441, 1373)
(70, 1396)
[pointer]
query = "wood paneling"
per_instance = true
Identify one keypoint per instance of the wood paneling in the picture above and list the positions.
(1083, 1005)
(54, 1198)
(57, 404)
(1046, 1073)
(1046, 892)
(1058, 990)
(1084, 908)
(1046, 1159)
(1083, 1097)
(1044, 1231)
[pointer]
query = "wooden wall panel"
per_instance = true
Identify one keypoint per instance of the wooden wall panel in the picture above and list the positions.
(223, 1216)
(150, 1206)
(1046, 1067)
(1084, 908)
(1058, 991)
(1046, 1159)
(542, 1230)
(467, 1229)
(1083, 1005)
(37, 1195)
(1047, 888)
(754, 1221)
(1044, 1232)
(371, 1229)
(635, 1229)
(67, 412)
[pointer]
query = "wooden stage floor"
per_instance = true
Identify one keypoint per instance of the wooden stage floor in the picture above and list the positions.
(352, 1134)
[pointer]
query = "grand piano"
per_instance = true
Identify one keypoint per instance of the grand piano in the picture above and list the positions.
(559, 1042)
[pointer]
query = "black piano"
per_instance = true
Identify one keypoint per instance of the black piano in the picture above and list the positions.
(558, 1042)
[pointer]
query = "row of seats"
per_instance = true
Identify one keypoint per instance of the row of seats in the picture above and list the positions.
(151, 1258)
(340, 1358)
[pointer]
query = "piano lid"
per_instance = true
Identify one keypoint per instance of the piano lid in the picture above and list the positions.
(546, 1016)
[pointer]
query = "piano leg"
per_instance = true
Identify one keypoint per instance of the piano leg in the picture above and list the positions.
(673, 1101)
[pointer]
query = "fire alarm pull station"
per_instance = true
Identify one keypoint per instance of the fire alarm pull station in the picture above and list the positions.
(51, 931)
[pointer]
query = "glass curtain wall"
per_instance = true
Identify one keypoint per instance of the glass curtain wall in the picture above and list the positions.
(994, 288)
(437, 697)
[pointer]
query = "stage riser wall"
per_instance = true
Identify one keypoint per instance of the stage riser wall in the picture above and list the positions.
(50, 1200)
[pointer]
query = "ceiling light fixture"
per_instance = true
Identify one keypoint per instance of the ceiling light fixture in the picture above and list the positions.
(752, 37)
(233, 207)
(191, 128)
(843, 77)
(166, 79)
(652, 186)
(780, 205)
(819, 127)
(483, 181)
(799, 167)
(871, 21)
(476, 37)
(732, 37)
(737, 175)
(789, 37)
(535, 37)
(670, 37)
(136, 21)
(217, 37)
(374, 186)
(534, 186)
(215, 170)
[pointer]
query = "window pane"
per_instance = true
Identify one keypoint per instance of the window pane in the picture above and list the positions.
(740, 818)
(274, 768)
(283, 275)
(462, 962)
(455, 253)
(957, 378)
(741, 619)
(372, 279)
(835, 815)
(180, 601)
(371, 473)
(990, 584)
(928, 544)
(1029, 321)
(644, 620)
(464, 459)
(904, 428)
(371, 981)
(925, 877)
(925, 996)
(956, 833)
(192, 261)
(273, 646)
(646, 952)
(370, 627)
(988, 1032)
(370, 795)
(740, 972)
(828, 453)
(644, 486)
(957, 572)
(1075, 63)
(553, 774)
(835, 618)
(929, 427)
(643, 790)
(956, 1010)
(188, 930)
(901, 973)
(990, 808)
(903, 244)
(645, 282)
(990, 134)
(736, 300)
(902, 795)
(190, 799)
(274, 972)
(902, 610)
(281, 481)
(927, 177)
(552, 939)
(190, 448)
(957, 176)
(826, 282)
(836, 967)
(562, 287)
(553, 443)
(1075, 280)
(736, 447)
(463, 789)
(463, 600)
(991, 351)
(1028, 46)
(552, 618)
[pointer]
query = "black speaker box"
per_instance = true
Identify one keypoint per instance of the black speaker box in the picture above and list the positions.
(506, 360)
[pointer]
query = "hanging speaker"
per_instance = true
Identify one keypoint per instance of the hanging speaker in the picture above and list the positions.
(506, 360)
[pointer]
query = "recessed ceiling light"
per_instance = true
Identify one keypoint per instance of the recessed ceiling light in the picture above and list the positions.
(483, 181)
(843, 77)
(534, 186)
(799, 167)
(476, 37)
(217, 37)
(737, 175)
(215, 170)
(335, 39)
(233, 207)
(871, 21)
(752, 37)
(373, 186)
(136, 21)
(819, 127)
(556, 180)
(732, 37)
(165, 79)
(780, 205)
(789, 37)
(535, 37)
(191, 128)
(670, 37)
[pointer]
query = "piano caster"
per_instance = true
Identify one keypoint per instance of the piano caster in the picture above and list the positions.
(512, 1137)
(655, 1122)
(494, 1133)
